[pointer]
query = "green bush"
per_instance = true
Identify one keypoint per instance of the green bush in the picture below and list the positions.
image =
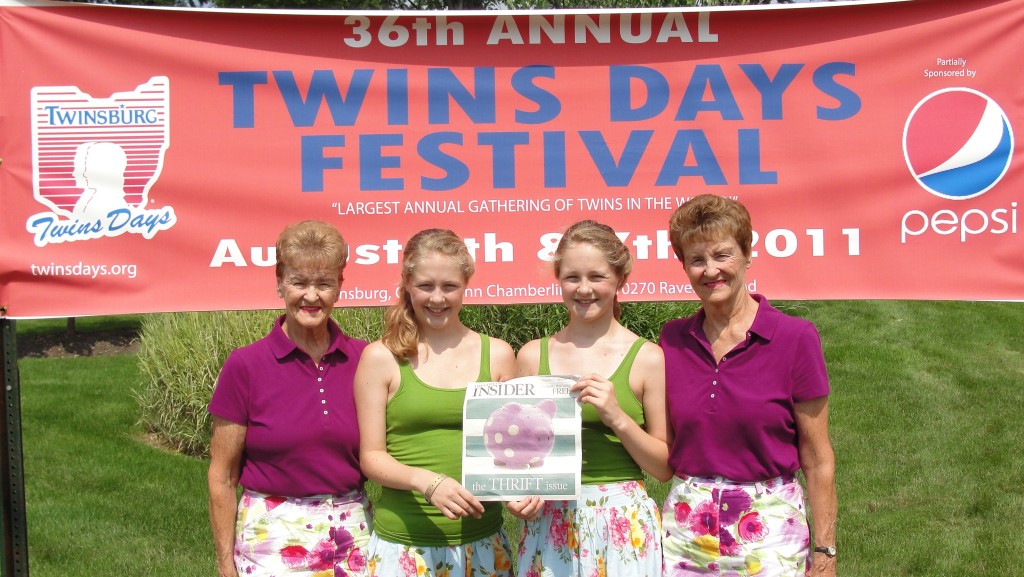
(519, 324)
(181, 353)
(180, 357)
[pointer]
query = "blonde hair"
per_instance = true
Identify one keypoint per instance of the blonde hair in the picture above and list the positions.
(312, 243)
(708, 217)
(603, 238)
(401, 333)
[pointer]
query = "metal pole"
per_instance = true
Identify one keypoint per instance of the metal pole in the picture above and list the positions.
(12, 508)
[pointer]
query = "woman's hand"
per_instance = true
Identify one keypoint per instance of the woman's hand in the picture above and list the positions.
(227, 444)
(818, 462)
(600, 393)
(526, 509)
(452, 499)
(227, 570)
(822, 566)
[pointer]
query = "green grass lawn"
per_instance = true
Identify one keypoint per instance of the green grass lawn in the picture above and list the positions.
(101, 502)
(80, 324)
(927, 412)
(926, 419)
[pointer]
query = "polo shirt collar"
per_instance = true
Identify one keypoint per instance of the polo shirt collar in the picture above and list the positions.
(282, 346)
(766, 320)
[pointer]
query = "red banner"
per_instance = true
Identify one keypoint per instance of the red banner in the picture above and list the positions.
(151, 156)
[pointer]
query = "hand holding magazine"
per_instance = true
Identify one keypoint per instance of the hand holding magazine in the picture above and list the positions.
(522, 437)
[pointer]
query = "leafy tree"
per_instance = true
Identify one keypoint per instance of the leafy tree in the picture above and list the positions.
(570, 4)
(436, 4)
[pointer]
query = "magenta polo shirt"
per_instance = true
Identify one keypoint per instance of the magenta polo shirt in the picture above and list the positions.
(736, 419)
(301, 437)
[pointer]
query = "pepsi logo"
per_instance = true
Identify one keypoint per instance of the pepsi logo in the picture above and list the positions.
(957, 143)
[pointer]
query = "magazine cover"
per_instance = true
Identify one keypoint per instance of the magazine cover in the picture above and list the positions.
(520, 438)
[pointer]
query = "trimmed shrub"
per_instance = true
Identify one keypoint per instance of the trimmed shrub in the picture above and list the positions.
(181, 353)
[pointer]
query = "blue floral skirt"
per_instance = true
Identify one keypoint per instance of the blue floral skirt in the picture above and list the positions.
(487, 557)
(613, 529)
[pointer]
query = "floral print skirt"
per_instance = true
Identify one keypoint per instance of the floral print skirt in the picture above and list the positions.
(320, 536)
(718, 527)
(612, 530)
(487, 557)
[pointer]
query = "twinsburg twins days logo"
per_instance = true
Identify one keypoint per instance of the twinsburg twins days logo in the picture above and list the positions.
(94, 161)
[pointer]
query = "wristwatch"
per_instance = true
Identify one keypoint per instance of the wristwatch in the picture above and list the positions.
(829, 551)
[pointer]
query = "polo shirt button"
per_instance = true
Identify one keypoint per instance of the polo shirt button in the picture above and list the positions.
(325, 412)
(321, 390)
(325, 358)
(323, 402)
(319, 379)
(712, 395)
(714, 382)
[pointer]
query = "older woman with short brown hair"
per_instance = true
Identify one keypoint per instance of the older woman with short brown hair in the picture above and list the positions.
(284, 428)
(747, 395)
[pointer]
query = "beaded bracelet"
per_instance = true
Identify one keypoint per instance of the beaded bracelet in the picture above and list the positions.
(433, 486)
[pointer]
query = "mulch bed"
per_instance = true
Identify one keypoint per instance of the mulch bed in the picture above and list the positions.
(77, 344)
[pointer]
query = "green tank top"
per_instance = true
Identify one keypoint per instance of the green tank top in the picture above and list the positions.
(605, 460)
(424, 429)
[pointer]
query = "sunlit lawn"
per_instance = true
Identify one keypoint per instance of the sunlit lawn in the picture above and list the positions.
(927, 410)
(100, 501)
